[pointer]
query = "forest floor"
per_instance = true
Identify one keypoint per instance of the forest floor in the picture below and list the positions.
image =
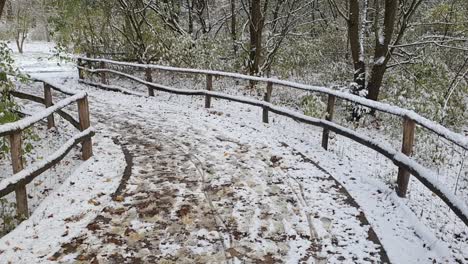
(196, 194)
(218, 186)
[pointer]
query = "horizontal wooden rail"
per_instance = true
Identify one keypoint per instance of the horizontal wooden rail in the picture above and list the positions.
(40, 100)
(425, 176)
(24, 123)
(54, 87)
(440, 130)
(114, 88)
(27, 175)
(14, 131)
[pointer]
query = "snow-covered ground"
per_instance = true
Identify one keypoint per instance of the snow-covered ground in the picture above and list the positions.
(59, 198)
(241, 191)
(424, 214)
(67, 208)
(44, 142)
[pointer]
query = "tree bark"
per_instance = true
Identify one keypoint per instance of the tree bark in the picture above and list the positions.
(356, 45)
(381, 50)
(2, 5)
(233, 26)
(190, 17)
(21, 36)
(256, 31)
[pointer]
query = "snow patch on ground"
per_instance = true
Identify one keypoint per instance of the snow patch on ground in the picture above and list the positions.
(66, 211)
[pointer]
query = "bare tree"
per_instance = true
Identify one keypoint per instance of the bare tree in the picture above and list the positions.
(169, 13)
(22, 21)
(234, 26)
(383, 38)
(134, 26)
(356, 44)
(356, 17)
(256, 25)
(270, 23)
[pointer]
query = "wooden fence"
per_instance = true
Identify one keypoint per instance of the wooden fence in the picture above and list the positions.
(23, 176)
(410, 119)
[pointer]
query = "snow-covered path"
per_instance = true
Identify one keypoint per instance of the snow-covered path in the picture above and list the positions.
(196, 194)
(211, 186)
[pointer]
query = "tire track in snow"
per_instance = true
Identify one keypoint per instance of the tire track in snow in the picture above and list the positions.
(181, 200)
(221, 223)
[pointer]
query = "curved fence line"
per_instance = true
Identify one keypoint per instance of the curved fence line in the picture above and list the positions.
(442, 131)
(23, 176)
(425, 176)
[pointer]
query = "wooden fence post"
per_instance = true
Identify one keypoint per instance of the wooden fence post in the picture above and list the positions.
(83, 112)
(48, 103)
(329, 117)
(80, 71)
(149, 78)
(209, 87)
(102, 65)
(267, 98)
(17, 162)
(407, 148)
(90, 65)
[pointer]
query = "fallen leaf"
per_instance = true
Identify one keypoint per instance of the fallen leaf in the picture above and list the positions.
(54, 257)
(94, 202)
(119, 198)
(38, 183)
(16, 249)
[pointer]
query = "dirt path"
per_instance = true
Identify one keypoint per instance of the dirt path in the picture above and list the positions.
(196, 193)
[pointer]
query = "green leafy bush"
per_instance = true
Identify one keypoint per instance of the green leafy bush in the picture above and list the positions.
(9, 108)
(313, 106)
(425, 88)
(7, 217)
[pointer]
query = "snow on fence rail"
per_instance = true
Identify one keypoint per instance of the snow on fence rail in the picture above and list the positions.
(406, 165)
(23, 176)
(440, 130)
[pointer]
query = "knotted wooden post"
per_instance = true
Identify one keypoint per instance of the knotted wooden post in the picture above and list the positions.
(17, 163)
(48, 103)
(149, 78)
(267, 98)
(407, 148)
(102, 65)
(329, 117)
(83, 112)
(80, 71)
(209, 87)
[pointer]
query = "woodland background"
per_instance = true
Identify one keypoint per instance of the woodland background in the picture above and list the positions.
(411, 53)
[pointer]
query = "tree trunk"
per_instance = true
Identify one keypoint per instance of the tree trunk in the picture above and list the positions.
(381, 50)
(233, 26)
(190, 17)
(23, 38)
(2, 5)
(44, 18)
(356, 46)
(47, 32)
(19, 42)
(256, 30)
